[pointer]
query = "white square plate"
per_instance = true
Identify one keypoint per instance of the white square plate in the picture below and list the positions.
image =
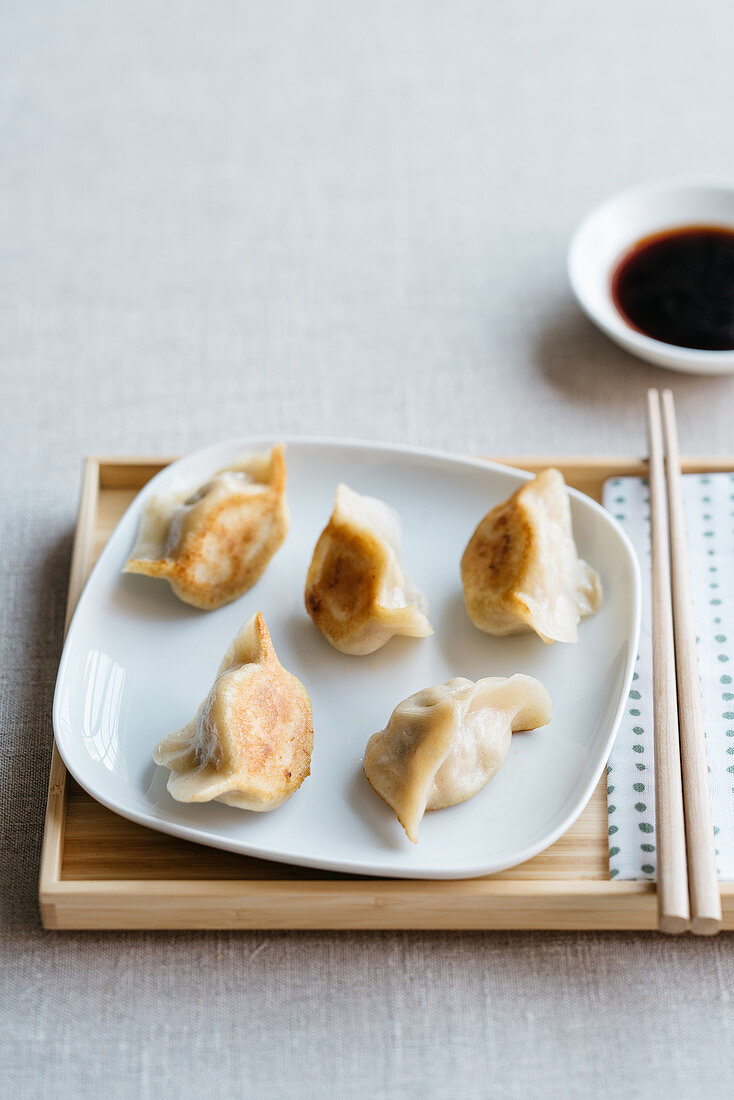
(137, 663)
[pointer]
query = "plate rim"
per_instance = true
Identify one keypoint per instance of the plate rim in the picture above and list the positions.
(196, 834)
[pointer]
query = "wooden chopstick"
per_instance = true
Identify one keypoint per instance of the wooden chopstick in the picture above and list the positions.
(672, 872)
(702, 873)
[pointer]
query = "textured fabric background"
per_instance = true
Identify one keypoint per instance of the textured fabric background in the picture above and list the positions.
(339, 218)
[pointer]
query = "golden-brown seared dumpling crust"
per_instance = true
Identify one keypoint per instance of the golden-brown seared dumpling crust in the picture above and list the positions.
(212, 545)
(444, 743)
(250, 743)
(521, 570)
(357, 592)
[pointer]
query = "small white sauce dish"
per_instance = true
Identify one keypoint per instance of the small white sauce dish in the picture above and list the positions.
(613, 228)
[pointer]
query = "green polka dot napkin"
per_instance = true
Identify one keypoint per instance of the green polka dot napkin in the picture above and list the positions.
(709, 510)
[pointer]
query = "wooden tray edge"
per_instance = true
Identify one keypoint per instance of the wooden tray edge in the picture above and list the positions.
(49, 876)
(370, 905)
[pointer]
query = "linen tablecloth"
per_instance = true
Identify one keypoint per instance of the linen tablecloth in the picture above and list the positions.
(350, 219)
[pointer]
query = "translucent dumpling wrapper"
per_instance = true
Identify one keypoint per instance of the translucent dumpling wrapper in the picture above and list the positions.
(357, 591)
(521, 570)
(250, 742)
(444, 743)
(212, 544)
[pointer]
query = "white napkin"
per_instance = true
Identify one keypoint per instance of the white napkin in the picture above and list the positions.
(709, 510)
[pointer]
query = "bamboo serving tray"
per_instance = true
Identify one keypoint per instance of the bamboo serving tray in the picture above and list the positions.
(100, 871)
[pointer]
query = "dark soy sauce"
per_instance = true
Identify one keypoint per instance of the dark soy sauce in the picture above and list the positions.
(678, 287)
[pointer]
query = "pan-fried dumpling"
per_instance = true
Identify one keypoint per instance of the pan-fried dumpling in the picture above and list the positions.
(214, 543)
(444, 743)
(357, 591)
(521, 570)
(251, 740)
